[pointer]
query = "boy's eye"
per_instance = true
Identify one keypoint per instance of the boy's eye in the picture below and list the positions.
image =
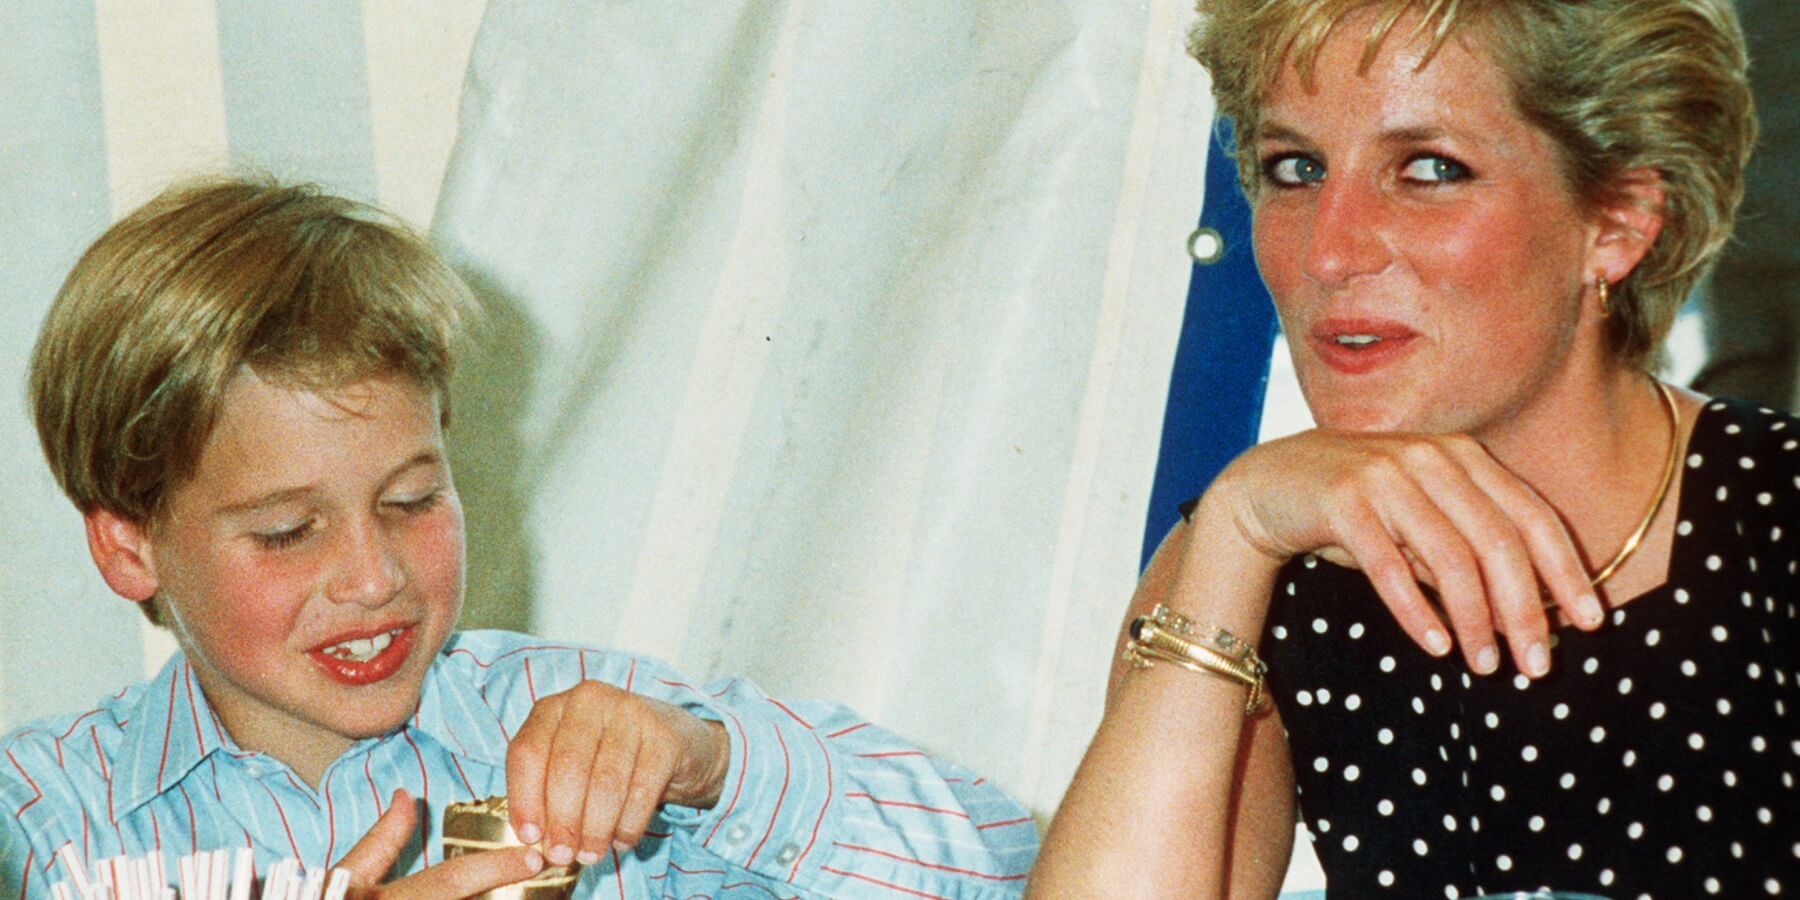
(418, 504)
(1430, 169)
(1293, 170)
(284, 537)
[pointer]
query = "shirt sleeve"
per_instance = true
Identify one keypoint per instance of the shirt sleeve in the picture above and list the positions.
(819, 801)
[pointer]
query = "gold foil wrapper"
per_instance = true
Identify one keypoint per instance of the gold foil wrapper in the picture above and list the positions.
(483, 825)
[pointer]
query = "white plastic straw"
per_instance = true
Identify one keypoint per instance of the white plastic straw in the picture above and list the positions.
(339, 886)
(242, 874)
(77, 872)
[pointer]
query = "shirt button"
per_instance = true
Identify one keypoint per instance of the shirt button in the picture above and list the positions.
(787, 854)
(737, 833)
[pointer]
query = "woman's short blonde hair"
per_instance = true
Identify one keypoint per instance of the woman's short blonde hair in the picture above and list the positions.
(308, 290)
(1618, 85)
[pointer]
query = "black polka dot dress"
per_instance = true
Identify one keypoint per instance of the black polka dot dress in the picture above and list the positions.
(1658, 759)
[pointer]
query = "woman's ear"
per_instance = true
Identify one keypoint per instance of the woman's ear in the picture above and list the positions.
(121, 551)
(1627, 224)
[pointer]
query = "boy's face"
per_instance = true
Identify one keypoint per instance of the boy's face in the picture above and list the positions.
(313, 564)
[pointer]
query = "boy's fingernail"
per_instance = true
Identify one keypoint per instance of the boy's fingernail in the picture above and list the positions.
(1437, 642)
(560, 855)
(1487, 660)
(529, 834)
(622, 847)
(587, 857)
(1537, 660)
(534, 860)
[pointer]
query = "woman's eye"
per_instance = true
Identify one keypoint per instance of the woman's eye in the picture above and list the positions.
(1293, 170)
(1434, 170)
(284, 537)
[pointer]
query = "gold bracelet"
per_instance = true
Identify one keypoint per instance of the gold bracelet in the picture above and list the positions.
(1167, 636)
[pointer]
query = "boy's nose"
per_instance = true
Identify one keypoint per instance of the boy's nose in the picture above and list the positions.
(368, 571)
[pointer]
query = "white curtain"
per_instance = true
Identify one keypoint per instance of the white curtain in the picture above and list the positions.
(828, 343)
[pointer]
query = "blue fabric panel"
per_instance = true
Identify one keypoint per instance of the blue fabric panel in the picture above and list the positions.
(1222, 360)
(53, 180)
(297, 92)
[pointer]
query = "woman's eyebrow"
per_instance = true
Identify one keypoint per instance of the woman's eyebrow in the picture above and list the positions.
(1282, 134)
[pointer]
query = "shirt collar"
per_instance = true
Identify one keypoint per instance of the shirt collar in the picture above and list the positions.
(171, 730)
(453, 711)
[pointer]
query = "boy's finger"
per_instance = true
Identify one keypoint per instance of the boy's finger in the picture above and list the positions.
(466, 876)
(527, 758)
(374, 854)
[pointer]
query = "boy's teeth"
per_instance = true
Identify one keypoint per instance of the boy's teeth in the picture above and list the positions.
(1357, 340)
(361, 649)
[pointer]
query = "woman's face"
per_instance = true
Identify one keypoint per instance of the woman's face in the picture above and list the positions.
(1426, 258)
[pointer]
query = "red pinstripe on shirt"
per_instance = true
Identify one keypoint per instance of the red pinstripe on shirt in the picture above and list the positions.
(791, 714)
(830, 785)
(37, 792)
(743, 741)
(282, 812)
(787, 773)
(530, 683)
(330, 823)
(168, 731)
(907, 804)
(425, 794)
(937, 867)
(843, 731)
(25, 885)
(1003, 823)
(878, 882)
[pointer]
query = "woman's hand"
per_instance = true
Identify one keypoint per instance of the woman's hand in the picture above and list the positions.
(465, 876)
(1407, 509)
(591, 765)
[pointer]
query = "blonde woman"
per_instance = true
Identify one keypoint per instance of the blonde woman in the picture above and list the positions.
(1528, 615)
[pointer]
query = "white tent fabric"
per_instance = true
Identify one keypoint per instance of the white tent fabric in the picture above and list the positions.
(829, 343)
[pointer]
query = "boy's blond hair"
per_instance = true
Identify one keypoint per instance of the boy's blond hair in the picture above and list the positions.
(309, 290)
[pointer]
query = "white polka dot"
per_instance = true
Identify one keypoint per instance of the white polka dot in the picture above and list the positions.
(1567, 780)
(1319, 626)
(1721, 494)
(1385, 807)
(1386, 878)
(1719, 633)
(1497, 792)
(1536, 823)
(1455, 731)
(1356, 631)
(1420, 847)
(1724, 706)
(1771, 886)
(1674, 855)
(1321, 764)
(1418, 776)
(1681, 595)
(1703, 813)
(1353, 702)
(1604, 806)
(1652, 637)
(1385, 735)
(1304, 698)
(1714, 563)
(1437, 683)
(1591, 666)
(1730, 778)
(1737, 850)
(1597, 734)
(1665, 783)
(1418, 706)
(1324, 695)
(1688, 668)
(1624, 686)
(1521, 682)
(1695, 741)
(1765, 498)
(1746, 463)
(1351, 843)
(1758, 744)
(1712, 885)
(1574, 851)
(1387, 664)
(1635, 831)
(1450, 892)
(1322, 826)
(1503, 863)
(1753, 670)
(1352, 772)
(1764, 816)
(1449, 822)
(1492, 720)
(1280, 632)
(1629, 759)
(1658, 710)
(1694, 460)
(1529, 753)
(1560, 710)
(1606, 877)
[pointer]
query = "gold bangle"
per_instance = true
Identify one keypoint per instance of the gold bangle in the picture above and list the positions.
(1167, 636)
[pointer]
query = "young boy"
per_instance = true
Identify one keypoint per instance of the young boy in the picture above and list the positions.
(243, 387)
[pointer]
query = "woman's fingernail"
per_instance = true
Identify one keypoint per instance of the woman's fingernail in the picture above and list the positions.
(529, 834)
(1487, 660)
(1589, 606)
(587, 857)
(1437, 642)
(1537, 660)
(534, 860)
(560, 855)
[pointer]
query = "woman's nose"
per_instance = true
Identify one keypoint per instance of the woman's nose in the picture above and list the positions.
(1346, 239)
(368, 571)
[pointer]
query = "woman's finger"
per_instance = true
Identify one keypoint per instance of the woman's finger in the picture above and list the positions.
(1373, 550)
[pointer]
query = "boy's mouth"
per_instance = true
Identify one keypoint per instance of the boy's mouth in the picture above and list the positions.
(368, 658)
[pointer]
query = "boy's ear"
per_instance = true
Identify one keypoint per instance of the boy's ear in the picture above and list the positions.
(1627, 225)
(121, 551)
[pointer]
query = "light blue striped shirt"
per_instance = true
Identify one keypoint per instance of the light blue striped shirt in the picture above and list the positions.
(817, 801)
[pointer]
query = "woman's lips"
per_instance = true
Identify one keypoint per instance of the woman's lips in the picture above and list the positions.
(345, 668)
(1357, 346)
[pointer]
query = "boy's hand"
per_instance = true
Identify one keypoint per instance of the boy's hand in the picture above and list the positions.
(465, 876)
(591, 765)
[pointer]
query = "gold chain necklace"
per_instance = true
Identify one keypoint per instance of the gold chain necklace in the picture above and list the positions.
(1662, 490)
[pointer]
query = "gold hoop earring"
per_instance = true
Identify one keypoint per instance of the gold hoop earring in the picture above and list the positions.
(1605, 297)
